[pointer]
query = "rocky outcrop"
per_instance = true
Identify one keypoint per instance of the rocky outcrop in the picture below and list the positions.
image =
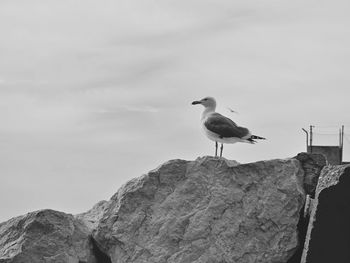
(44, 236)
(208, 210)
(328, 235)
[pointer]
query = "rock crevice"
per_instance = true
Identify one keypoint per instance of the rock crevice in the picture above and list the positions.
(328, 235)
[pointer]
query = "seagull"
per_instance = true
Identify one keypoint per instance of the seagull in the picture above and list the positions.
(219, 128)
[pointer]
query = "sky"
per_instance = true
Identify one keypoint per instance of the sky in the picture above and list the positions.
(96, 92)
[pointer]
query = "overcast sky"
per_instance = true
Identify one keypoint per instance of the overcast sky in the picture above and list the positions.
(96, 92)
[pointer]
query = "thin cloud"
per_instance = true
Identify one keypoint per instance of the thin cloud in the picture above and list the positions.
(127, 108)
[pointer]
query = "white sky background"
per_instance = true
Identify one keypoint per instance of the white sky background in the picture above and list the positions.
(94, 93)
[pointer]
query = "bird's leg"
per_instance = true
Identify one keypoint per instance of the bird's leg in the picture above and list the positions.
(221, 148)
(216, 149)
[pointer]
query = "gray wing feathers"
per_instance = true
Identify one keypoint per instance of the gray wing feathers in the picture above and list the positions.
(225, 127)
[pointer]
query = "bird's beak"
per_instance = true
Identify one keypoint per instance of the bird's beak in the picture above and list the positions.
(196, 102)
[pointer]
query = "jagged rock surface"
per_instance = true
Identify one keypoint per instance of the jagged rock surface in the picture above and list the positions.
(92, 217)
(312, 164)
(44, 236)
(205, 211)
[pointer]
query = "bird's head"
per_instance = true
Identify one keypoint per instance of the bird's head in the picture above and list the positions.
(207, 102)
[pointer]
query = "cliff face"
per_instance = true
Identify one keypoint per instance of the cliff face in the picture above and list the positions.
(207, 210)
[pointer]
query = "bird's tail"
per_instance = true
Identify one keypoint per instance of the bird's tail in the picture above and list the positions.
(254, 137)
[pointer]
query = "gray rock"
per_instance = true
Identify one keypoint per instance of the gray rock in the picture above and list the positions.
(205, 211)
(312, 164)
(327, 237)
(44, 236)
(92, 217)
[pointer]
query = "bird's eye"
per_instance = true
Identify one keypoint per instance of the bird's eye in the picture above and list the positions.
(205, 99)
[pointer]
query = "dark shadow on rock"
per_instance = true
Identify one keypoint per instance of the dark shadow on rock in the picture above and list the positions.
(330, 238)
(100, 256)
(302, 229)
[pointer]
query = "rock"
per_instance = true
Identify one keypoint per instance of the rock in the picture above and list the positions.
(205, 211)
(328, 235)
(44, 236)
(312, 164)
(210, 210)
(92, 217)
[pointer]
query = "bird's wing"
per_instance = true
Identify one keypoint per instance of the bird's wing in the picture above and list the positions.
(225, 127)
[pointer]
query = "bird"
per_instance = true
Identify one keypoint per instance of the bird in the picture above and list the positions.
(221, 129)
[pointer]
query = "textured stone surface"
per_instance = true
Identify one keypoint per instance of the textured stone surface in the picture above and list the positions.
(328, 238)
(92, 217)
(206, 211)
(330, 176)
(44, 236)
(312, 164)
(209, 210)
